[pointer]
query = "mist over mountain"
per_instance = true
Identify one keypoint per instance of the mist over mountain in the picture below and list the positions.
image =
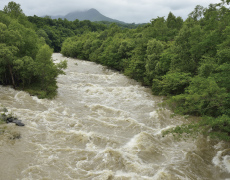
(91, 14)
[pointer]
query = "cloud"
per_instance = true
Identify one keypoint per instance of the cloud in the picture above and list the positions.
(138, 11)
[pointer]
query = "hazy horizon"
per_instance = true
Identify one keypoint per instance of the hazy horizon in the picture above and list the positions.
(129, 11)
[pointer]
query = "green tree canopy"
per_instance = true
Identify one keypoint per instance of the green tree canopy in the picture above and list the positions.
(13, 9)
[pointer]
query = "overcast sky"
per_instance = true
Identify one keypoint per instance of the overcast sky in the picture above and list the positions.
(137, 11)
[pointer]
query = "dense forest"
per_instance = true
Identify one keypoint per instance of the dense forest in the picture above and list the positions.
(25, 58)
(55, 31)
(187, 61)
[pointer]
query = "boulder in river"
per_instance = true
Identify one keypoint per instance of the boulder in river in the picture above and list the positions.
(5, 117)
(15, 120)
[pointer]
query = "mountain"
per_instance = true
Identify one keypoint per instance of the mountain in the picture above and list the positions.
(91, 14)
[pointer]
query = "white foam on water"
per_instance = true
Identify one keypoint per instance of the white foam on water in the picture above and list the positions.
(222, 160)
(39, 101)
(217, 159)
(123, 175)
(20, 95)
(102, 125)
(219, 145)
(153, 114)
(226, 162)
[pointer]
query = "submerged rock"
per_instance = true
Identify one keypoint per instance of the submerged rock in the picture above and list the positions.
(15, 135)
(19, 123)
(8, 118)
(15, 120)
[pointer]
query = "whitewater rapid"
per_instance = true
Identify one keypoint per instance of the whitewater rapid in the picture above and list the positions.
(101, 126)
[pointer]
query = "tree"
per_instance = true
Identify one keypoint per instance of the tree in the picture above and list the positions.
(172, 83)
(13, 9)
(42, 33)
(44, 64)
(10, 42)
(24, 68)
(171, 21)
(159, 29)
(46, 70)
(197, 13)
(25, 59)
(202, 97)
(154, 50)
(188, 49)
(7, 57)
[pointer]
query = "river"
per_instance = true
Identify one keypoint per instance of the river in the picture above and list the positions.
(101, 126)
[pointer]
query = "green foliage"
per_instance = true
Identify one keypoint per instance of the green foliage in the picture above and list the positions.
(164, 63)
(207, 66)
(171, 83)
(220, 127)
(184, 131)
(174, 22)
(13, 9)
(24, 68)
(135, 68)
(122, 25)
(221, 75)
(25, 59)
(42, 33)
(217, 128)
(55, 32)
(202, 97)
(154, 51)
(197, 13)
(46, 71)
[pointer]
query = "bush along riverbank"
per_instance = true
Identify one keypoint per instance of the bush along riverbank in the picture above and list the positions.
(186, 61)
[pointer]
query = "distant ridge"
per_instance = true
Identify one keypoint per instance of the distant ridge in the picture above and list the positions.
(91, 15)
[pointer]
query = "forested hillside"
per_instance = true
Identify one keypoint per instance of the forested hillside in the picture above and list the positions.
(187, 61)
(55, 31)
(91, 14)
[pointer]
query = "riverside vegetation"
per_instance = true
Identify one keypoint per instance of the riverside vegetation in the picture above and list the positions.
(186, 61)
(25, 58)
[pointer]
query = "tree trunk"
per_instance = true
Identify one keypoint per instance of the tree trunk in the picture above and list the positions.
(12, 77)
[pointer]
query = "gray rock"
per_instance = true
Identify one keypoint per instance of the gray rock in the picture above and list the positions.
(15, 120)
(19, 123)
(10, 119)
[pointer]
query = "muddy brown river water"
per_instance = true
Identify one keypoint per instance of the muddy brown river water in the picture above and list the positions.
(101, 126)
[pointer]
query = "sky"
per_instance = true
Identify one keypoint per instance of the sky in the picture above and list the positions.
(129, 11)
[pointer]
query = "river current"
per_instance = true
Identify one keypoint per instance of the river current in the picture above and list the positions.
(101, 126)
